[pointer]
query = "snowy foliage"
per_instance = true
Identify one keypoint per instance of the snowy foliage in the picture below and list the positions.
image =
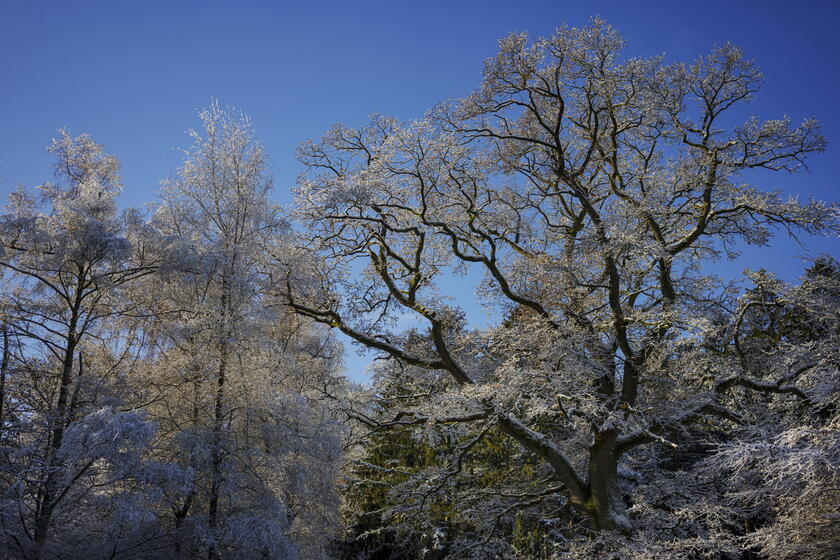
(157, 400)
(593, 192)
(170, 386)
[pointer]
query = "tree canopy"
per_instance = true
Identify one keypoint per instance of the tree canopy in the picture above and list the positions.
(171, 385)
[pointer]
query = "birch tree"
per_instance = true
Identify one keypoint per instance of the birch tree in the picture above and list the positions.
(66, 263)
(263, 449)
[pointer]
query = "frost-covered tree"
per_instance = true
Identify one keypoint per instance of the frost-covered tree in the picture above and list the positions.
(781, 474)
(66, 263)
(593, 191)
(244, 415)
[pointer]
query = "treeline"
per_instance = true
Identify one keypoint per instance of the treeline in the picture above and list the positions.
(170, 387)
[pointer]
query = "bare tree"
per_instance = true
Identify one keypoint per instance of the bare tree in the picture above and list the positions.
(593, 191)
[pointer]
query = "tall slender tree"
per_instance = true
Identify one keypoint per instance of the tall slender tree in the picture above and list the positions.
(259, 440)
(66, 266)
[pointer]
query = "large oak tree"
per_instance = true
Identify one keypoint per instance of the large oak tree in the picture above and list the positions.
(593, 191)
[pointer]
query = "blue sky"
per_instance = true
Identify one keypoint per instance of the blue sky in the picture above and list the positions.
(133, 74)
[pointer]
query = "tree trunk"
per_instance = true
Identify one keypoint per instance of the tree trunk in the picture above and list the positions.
(45, 500)
(605, 504)
(218, 426)
(216, 467)
(596, 498)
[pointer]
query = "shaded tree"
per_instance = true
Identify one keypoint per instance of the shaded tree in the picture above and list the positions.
(66, 265)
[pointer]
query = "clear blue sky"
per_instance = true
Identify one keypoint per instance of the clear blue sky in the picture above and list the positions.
(133, 74)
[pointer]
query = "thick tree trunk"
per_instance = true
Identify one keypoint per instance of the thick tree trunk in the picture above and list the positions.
(605, 504)
(597, 497)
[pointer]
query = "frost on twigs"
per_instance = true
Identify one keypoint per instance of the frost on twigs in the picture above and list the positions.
(592, 191)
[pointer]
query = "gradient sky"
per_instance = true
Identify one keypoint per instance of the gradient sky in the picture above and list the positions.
(133, 75)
